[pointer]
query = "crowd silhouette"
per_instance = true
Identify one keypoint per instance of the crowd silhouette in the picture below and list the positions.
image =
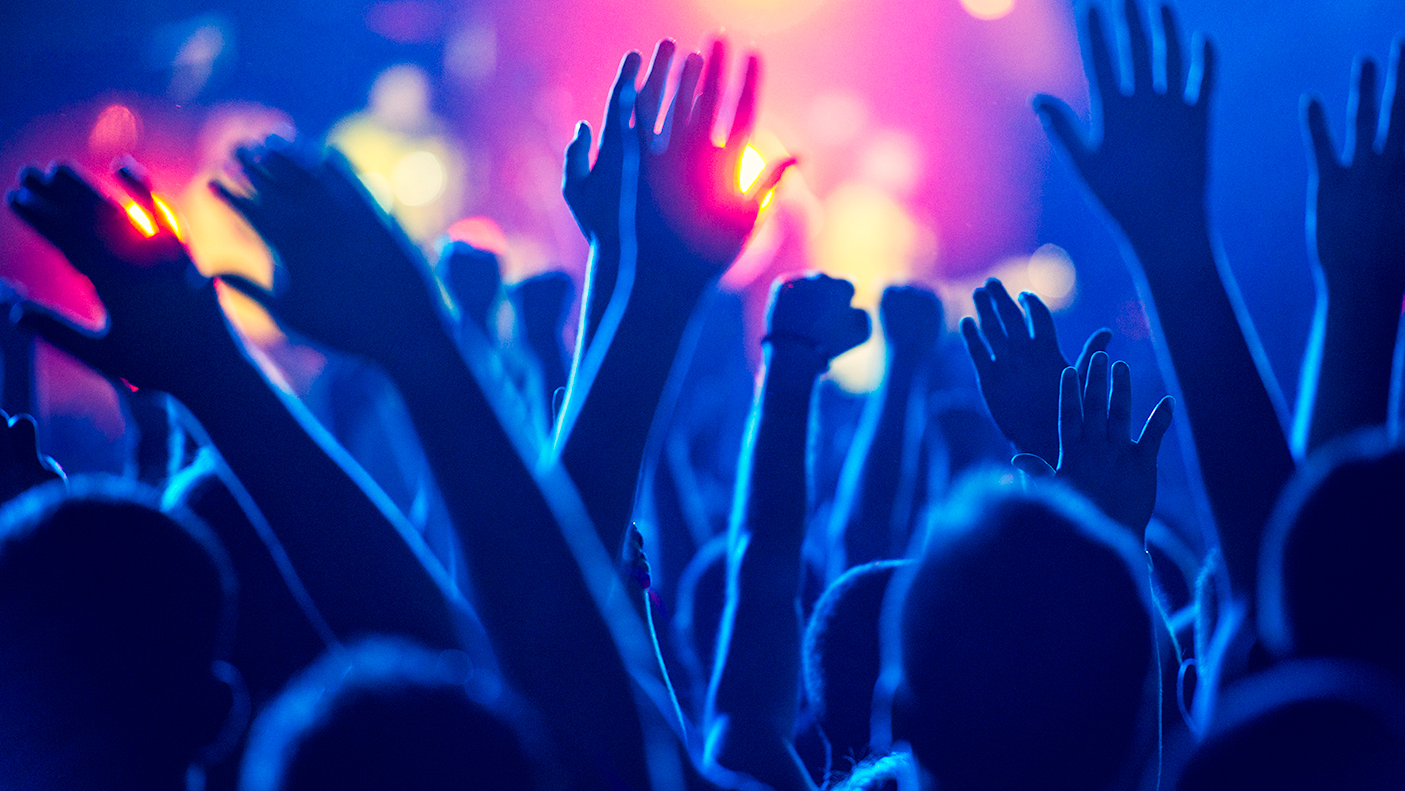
(605, 568)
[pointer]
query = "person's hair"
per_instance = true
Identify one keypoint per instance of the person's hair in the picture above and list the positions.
(112, 615)
(1331, 573)
(386, 713)
(1024, 642)
(842, 658)
(1301, 725)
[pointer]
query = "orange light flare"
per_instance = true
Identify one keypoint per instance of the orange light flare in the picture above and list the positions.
(169, 216)
(749, 169)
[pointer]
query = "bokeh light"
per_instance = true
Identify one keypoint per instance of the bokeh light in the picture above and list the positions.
(116, 131)
(988, 9)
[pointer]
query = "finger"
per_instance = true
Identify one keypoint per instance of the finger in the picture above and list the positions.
(246, 207)
(60, 333)
(1119, 404)
(65, 183)
(650, 99)
(1105, 78)
(1362, 111)
(251, 290)
(1095, 397)
(1155, 429)
(250, 160)
(680, 109)
(1040, 320)
(991, 327)
(1010, 315)
(621, 105)
(704, 116)
(1209, 72)
(1171, 38)
(771, 178)
(1097, 342)
(980, 356)
(744, 121)
(1070, 413)
(136, 180)
(1140, 47)
(1061, 124)
(1319, 136)
(23, 434)
(1394, 98)
(1032, 465)
(578, 157)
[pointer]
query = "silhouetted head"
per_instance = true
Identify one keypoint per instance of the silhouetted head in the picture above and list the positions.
(379, 715)
(1332, 569)
(842, 658)
(1304, 725)
(1019, 652)
(112, 617)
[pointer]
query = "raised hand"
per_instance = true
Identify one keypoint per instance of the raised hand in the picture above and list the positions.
(22, 465)
(163, 318)
(755, 688)
(1148, 168)
(349, 276)
(813, 314)
(1097, 455)
(1018, 363)
(1146, 162)
(1356, 233)
(912, 320)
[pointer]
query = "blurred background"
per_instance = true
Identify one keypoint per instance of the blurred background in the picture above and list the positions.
(920, 159)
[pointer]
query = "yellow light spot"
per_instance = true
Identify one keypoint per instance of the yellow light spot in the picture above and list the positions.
(766, 201)
(988, 9)
(141, 219)
(169, 216)
(750, 169)
(418, 178)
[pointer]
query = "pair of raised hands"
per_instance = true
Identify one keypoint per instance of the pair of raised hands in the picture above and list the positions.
(1053, 411)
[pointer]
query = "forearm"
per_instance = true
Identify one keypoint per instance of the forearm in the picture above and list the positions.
(1243, 456)
(1346, 373)
(529, 591)
(881, 463)
(755, 688)
(604, 428)
(363, 566)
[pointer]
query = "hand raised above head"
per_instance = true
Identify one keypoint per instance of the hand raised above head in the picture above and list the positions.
(1356, 203)
(912, 319)
(1097, 455)
(1019, 371)
(163, 317)
(814, 312)
(1147, 162)
(349, 277)
(690, 207)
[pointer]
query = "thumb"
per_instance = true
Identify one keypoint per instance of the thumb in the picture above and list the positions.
(1032, 465)
(251, 290)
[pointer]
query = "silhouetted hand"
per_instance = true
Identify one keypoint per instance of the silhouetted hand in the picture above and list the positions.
(1097, 456)
(912, 320)
(163, 318)
(813, 313)
(1147, 166)
(474, 278)
(691, 212)
(1356, 203)
(349, 277)
(22, 465)
(1019, 372)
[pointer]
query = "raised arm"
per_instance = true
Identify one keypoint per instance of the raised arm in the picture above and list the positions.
(1356, 237)
(1148, 170)
(755, 688)
(352, 281)
(878, 486)
(365, 568)
(655, 257)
